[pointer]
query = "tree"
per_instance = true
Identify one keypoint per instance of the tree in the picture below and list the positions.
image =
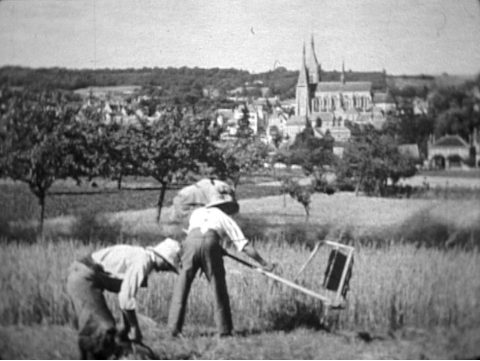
(314, 155)
(297, 192)
(241, 156)
(411, 129)
(119, 143)
(276, 136)
(243, 129)
(40, 141)
(173, 149)
(371, 158)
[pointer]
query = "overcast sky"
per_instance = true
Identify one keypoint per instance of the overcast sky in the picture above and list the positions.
(402, 37)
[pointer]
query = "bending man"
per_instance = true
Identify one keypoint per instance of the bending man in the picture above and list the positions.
(121, 269)
(202, 249)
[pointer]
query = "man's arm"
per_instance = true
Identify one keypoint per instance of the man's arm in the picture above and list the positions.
(134, 277)
(131, 329)
(235, 234)
(250, 251)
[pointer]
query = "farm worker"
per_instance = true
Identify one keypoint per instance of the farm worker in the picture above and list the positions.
(202, 249)
(121, 269)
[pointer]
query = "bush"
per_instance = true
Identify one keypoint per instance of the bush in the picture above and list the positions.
(424, 230)
(252, 228)
(16, 231)
(93, 227)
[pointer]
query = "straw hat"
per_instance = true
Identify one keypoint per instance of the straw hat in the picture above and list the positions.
(169, 251)
(223, 196)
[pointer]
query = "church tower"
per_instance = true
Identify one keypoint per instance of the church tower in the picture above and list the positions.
(302, 92)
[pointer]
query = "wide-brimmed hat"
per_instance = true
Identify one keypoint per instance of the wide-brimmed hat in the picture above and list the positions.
(169, 250)
(223, 195)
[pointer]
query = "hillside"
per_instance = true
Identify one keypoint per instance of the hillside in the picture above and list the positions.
(280, 81)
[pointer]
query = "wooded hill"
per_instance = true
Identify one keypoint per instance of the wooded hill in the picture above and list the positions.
(183, 80)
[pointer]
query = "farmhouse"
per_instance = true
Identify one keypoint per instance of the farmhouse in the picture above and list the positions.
(450, 151)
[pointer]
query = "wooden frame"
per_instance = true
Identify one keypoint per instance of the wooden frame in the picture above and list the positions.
(330, 299)
(336, 299)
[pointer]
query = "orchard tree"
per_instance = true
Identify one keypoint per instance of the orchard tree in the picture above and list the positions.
(242, 156)
(38, 141)
(173, 149)
(301, 194)
(119, 143)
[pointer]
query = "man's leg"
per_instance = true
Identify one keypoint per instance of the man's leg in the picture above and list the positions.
(178, 304)
(212, 265)
(95, 321)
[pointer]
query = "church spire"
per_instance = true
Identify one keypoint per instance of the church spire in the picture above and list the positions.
(303, 77)
(342, 76)
(302, 91)
(313, 66)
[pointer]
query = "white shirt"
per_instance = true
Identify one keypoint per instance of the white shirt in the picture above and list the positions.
(213, 218)
(131, 264)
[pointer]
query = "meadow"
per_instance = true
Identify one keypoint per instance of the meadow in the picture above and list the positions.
(416, 268)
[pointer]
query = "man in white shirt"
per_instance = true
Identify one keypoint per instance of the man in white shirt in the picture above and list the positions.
(202, 249)
(121, 269)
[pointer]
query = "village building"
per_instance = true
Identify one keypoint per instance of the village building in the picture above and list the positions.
(452, 151)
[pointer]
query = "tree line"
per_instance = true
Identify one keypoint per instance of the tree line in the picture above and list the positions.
(173, 81)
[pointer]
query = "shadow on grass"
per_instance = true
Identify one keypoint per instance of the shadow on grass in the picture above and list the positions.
(293, 314)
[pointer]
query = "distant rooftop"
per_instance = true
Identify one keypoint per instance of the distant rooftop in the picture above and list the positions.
(382, 98)
(334, 86)
(450, 141)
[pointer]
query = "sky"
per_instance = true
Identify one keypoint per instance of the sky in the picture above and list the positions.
(402, 37)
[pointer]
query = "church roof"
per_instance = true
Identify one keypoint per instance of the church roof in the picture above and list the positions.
(338, 86)
(364, 118)
(296, 120)
(351, 111)
(382, 98)
(324, 116)
(450, 141)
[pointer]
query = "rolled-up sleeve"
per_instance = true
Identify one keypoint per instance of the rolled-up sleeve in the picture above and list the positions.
(233, 231)
(132, 281)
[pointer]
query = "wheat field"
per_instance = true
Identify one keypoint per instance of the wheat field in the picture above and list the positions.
(391, 287)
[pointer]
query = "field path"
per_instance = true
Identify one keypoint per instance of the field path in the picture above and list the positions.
(59, 342)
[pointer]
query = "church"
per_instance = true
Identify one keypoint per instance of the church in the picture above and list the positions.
(328, 104)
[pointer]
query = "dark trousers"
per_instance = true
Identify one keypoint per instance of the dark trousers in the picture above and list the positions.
(201, 251)
(96, 324)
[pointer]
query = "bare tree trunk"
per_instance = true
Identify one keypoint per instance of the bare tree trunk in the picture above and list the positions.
(119, 182)
(41, 201)
(307, 213)
(161, 197)
(357, 187)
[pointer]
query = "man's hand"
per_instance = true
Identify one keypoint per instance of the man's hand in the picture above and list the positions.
(269, 267)
(135, 335)
(131, 329)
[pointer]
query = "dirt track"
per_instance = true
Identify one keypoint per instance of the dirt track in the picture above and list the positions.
(59, 342)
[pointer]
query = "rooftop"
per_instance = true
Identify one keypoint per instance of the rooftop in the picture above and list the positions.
(450, 141)
(336, 86)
